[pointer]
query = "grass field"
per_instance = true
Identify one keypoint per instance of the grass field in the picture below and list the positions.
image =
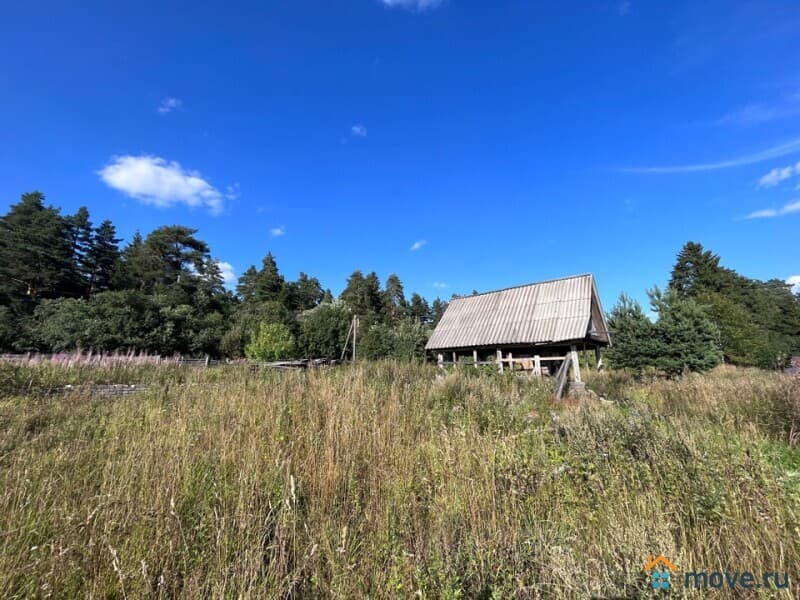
(390, 480)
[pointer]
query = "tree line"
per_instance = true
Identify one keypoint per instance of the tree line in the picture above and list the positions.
(67, 284)
(708, 314)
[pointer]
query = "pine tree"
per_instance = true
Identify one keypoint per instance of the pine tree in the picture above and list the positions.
(269, 283)
(419, 309)
(437, 310)
(35, 252)
(246, 287)
(81, 233)
(363, 294)
(102, 258)
(303, 294)
(394, 299)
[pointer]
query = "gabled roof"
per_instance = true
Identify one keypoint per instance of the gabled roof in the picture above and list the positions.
(547, 312)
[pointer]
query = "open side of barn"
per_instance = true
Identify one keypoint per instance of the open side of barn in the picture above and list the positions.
(539, 327)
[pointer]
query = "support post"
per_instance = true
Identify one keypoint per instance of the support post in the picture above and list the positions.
(537, 366)
(440, 360)
(500, 359)
(510, 362)
(475, 358)
(598, 354)
(355, 337)
(576, 365)
(455, 359)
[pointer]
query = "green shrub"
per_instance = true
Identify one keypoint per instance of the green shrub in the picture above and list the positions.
(272, 341)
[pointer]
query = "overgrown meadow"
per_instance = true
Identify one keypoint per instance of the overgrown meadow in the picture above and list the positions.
(389, 480)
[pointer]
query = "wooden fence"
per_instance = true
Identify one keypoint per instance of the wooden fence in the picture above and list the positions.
(77, 359)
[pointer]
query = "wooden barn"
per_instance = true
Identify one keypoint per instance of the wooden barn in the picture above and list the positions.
(539, 327)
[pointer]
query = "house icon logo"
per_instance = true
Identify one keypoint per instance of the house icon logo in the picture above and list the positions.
(660, 570)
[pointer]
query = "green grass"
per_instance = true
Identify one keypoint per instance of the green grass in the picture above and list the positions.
(390, 480)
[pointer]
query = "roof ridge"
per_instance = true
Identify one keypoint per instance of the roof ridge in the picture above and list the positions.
(522, 285)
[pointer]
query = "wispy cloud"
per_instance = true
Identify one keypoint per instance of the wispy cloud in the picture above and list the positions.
(418, 5)
(440, 285)
(157, 182)
(169, 104)
(768, 213)
(775, 176)
(790, 147)
(417, 245)
(624, 8)
(358, 131)
(794, 281)
(278, 231)
(763, 112)
(228, 273)
(232, 192)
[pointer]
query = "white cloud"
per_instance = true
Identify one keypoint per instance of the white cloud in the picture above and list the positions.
(169, 104)
(794, 281)
(440, 285)
(278, 231)
(790, 147)
(768, 213)
(765, 213)
(358, 131)
(775, 176)
(227, 271)
(417, 245)
(418, 5)
(232, 192)
(762, 112)
(158, 182)
(624, 8)
(792, 207)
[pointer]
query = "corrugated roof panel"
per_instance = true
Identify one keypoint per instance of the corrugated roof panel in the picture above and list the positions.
(539, 313)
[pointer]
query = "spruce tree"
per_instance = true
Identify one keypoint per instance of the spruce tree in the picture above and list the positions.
(102, 258)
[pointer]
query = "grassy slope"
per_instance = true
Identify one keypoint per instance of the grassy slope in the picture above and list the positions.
(388, 479)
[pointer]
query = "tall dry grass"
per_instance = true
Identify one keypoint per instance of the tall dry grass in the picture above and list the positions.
(390, 480)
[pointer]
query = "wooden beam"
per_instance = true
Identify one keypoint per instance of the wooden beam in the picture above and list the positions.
(576, 365)
(561, 376)
(500, 359)
(475, 358)
(537, 366)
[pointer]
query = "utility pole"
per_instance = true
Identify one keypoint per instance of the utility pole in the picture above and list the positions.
(355, 336)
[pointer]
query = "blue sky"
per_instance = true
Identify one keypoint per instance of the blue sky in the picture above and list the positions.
(462, 144)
